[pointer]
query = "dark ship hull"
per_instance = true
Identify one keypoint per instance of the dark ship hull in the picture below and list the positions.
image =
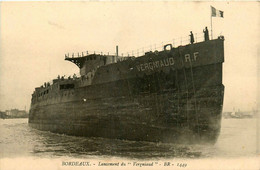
(174, 95)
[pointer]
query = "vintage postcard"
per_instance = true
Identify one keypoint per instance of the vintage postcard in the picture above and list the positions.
(129, 85)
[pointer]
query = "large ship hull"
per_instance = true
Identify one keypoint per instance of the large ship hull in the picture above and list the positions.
(172, 104)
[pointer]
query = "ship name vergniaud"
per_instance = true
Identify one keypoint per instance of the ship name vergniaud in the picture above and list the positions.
(156, 64)
(165, 62)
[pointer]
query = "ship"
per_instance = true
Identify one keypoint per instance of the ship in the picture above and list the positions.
(174, 95)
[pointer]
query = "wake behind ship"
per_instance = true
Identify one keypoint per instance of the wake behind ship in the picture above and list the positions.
(173, 95)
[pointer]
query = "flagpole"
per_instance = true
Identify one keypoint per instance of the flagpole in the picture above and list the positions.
(211, 24)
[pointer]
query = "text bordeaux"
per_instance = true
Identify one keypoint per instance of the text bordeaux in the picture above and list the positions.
(156, 64)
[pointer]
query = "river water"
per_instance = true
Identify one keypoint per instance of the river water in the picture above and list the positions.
(237, 139)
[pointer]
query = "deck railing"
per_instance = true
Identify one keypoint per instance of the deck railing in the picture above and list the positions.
(198, 37)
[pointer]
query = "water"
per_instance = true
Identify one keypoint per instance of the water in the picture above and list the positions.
(237, 139)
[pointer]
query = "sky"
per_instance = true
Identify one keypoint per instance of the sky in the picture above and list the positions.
(35, 36)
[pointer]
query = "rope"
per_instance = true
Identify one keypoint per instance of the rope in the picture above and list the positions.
(187, 91)
(195, 98)
(176, 80)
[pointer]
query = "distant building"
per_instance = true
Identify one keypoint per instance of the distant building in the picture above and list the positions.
(2, 115)
(15, 113)
(240, 114)
(226, 114)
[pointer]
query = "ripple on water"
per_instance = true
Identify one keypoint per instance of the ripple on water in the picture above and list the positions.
(18, 139)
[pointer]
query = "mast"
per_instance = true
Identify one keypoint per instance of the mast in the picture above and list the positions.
(116, 53)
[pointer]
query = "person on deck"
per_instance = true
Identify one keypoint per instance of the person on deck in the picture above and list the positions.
(191, 38)
(74, 76)
(206, 34)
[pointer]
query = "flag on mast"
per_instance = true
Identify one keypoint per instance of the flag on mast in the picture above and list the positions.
(216, 13)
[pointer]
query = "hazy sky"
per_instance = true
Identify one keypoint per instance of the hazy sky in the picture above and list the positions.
(36, 35)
